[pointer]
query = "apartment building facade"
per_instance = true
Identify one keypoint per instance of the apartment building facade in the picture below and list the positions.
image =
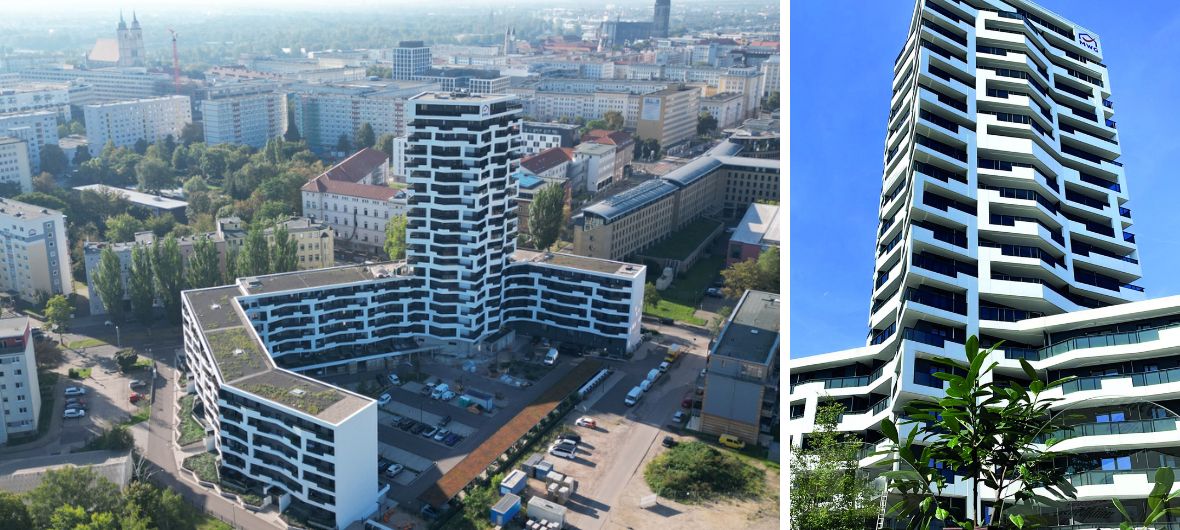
(34, 252)
(244, 114)
(1003, 217)
(324, 113)
(15, 168)
(30, 97)
(599, 162)
(104, 84)
(19, 387)
(742, 374)
(36, 128)
(538, 136)
(126, 122)
(410, 58)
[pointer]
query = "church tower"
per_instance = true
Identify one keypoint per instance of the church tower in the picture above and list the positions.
(131, 50)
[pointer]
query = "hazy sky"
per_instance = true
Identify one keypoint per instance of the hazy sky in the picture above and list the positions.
(841, 94)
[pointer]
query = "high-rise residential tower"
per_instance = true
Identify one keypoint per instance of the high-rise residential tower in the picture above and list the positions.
(410, 58)
(659, 26)
(1003, 215)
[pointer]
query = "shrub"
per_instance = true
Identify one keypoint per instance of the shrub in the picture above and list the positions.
(694, 471)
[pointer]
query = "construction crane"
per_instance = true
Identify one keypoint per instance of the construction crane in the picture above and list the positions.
(175, 63)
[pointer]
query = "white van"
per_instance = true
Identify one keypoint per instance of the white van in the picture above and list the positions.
(654, 374)
(439, 391)
(633, 396)
(551, 357)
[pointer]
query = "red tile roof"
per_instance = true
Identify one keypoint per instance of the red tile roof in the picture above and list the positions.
(323, 184)
(547, 159)
(603, 136)
(355, 167)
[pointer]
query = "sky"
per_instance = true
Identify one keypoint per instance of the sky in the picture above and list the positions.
(841, 70)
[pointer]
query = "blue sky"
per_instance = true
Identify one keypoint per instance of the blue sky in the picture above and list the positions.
(842, 55)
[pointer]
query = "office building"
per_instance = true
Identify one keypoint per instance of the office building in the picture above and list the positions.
(669, 115)
(746, 81)
(36, 258)
(36, 128)
(634, 220)
(729, 108)
(152, 204)
(770, 76)
(324, 113)
(660, 19)
(410, 58)
(538, 136)
(462, 286)
(91, 86)
(624, 147)
(1014, 228)
(31, 97)
(15, 169)
(599, 162)
(126, 122)
(354, 199)
(742, 374)
(757, 232)
(243, 114)
(472, 80)
(19, 387)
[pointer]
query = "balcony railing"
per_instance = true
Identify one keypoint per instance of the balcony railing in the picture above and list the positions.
(1100, 182)
(925, 337)
(1107, 103)
(1097, 341)
(1003, 314)
(1128, 237)
(1109, 428)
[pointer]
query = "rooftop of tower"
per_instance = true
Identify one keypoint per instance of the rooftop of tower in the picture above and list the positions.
(462, 97)
(578, 262)
(753, 332)
(307, 279)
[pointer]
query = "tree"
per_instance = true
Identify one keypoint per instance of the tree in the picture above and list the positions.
(988, 433)
(343, 145)
(169, 270)
(203, 267)
(122, 228)
(771, 103)
(651, 295)
(43, 200)
(545, 215)
(706, 123)
(76, 518)
(395, 238)
(231, 265)
(365, 137)
(13, 512)
(153, 175)
(140, 146)
(140, 285)
(284, 255)
(826, 490)
(81, 487)
(53, 160)
(1161, 501)
(126, 359)
(761, 274)
(192, 133)
(254, 258)
(108, 281)
(57, 313)
(385, 144)
(165, 509)
(292, 133)
(614, 120)
(81, 155)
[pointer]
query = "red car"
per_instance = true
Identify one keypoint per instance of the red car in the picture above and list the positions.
(136, 396)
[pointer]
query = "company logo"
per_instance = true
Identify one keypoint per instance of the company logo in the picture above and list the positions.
(484, 110)
(1088, 41)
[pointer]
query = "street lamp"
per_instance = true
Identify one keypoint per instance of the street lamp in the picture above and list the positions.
(118, 338)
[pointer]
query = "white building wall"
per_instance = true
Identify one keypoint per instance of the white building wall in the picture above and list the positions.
(245, 120)
(126, 122)
(35, 128)
(14, 164)
(20, 390)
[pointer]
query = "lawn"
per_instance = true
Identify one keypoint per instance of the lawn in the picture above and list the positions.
(140, 415)
(190, 430)
(683, 241)
(694, 472)
(681, 298)
(211, 523)
(204, 465)
(85, 343)
(80, 373)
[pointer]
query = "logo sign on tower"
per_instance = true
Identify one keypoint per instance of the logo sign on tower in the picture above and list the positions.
(1088, 42)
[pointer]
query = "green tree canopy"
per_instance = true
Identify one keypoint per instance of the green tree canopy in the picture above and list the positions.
(385, 144)
(706, 123)
(254, 258)
(53, 160)
(141, 285)
(108, 282)
(284, 256)
(651, 295)
(57, 312)
(546, 215)
(153, 175)
(365, 136)
(614, 120)
(204, 268)
(292, 133)
(13, 512)
(395, 237)
(79, 487)
(343, 144)
(168, 267)
(122, 228)
(761, 274)
(826, 490)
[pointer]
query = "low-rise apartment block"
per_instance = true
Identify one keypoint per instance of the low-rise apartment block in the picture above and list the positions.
(15, 169)
(742, 375)
(19, 387)
(624, 146)
(126, 122)
(756, 233)
(36, 128)
(324, 113)
(34, 252)
(243, 114)
(599, 162)
(354, 200)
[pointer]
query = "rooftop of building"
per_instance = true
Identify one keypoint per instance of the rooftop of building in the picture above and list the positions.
(551, 125)
(23, 210)
(460, 97)
(357, 166)
(572, 261)
(5, 140)
(722, 96)
(237, 351)
(302, 393)
(213, 307)
(235, 227)
(24, 474)
(477, 73)
(324, 184)
(607, 137)
(759, 226)
(135, 197)
(753, 332)
(526, 181)
(13, 326)
(594, 149)
(31, 86)
(134, 101)
(546, 160)
(628, 201)
(72, 141)
(308, 279)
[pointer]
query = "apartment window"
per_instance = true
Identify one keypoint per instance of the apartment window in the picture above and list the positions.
(1116, 463)
(1110, 417)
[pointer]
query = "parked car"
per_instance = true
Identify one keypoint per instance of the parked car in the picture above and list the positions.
(447, 396)
(441, 435)
(452, 439)
(586, 421)
(418, 428)
(394, 469)
(135, 397)
(429, 432)
(645, 385)
(385, 398)
(714, 292)
(75, 391)
(428, 512)
(563, 451)
(73, 413)
(664, 366)
(731, 441)
(667, 321)
(570, 435)
(444, 421)
(679, 417)
(669, 442)
(686, 403)
(551, 357)
(136, 383)
(394, 380)
(75, 403)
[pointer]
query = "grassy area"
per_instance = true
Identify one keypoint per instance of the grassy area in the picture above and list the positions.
(681, 243)
(696, 472)
(211, 523)
(310, 401)
(80, 373)
(85, 343)
(237, 354)
(204, 465)
(681, 298)
(140, 415)
(143, 364)
(190, 430)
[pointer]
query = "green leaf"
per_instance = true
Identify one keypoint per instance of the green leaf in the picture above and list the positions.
(1118, 505)
(925, 504)
(941, 514)
(1017, 520)
(889, 430)
(971, 348)
(1028, 370)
